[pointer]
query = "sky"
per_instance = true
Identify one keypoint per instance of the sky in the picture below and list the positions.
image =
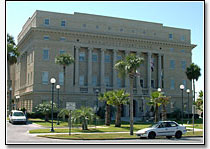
(187, 15)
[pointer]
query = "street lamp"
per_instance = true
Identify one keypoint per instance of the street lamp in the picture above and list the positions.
(17, 100)
(159, 89)
(52, 81)
(58, 102)
(96, 107)
(182, 88)
(188, 92)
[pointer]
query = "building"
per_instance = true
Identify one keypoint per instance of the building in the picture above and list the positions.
(97, 42)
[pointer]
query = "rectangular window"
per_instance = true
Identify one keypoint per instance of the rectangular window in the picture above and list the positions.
(107, 58)
(172, 49)
(170, 36)
(62, 52)
(183, 63)
(46, 37)
(172, 64)
(119, 57)
(107, 82)
(182, 50)
(46, 21)
(182, 38)
(62, 39)
(44, 77)
(61, 78)
(81, 80)
(153, 83)
(94, 57)
(142, 83)
(119, 82)
(63, 23)
(94, 80)
(172, 86)
(45, 54)
(81, 56)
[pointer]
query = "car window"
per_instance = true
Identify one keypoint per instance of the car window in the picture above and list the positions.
(161, 125)
(173, 124)
(18, 114)
(168, 125)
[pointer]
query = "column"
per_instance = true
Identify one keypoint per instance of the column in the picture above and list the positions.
(139, 89)
(159, 71)
(149, 72)
(90, 67)
(77, 66)
(102, 71)
(127, 77)
(114, 70)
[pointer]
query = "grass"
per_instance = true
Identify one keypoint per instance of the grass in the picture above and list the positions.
(112, 136)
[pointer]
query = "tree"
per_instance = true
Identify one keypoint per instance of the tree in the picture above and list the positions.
(129, 67)
(64, 60)
(199, 102)
(12, 54)
(164, 100)
(63, 113)
(105, 97)
(118, 98)
(45, 109)
(193, 73)
(83, 114)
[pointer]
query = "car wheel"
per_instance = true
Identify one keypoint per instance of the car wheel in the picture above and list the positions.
(178, 134)
(151, 135)
(168, 137)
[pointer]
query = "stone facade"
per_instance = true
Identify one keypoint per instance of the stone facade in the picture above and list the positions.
(96, 43)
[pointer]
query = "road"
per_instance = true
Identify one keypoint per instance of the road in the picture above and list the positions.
(17, 134)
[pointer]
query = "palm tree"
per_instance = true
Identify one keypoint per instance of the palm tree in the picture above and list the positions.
(129, 67)
(12, 54)
(64, 60)
(105, 97)
(164, 100)
(83, 114)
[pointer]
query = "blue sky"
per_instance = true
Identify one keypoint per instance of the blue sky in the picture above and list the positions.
(188, 15)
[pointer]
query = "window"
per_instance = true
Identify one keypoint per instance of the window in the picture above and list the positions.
(94, 80)
(170, 36)
(173, 124)
(152, 83)
(142, 83)
(172, 64)
(81, 80)
(62, 52)
(119, 82)
(81, 56)
(107, 82)
(62, 39)
(107, 58)
(46, 21)
(182, 38)
(172, 49)
(119, 57)
(61, 78)
(84, 25)
(63, 23)
(45, 54)
(133, 31)
(184, 82)
(46, 37)
(183, 64)
(121, 29)
(94, 57)
(172, 86)
(182, 50)
(109, 28)
(97, 27)
(44, 77)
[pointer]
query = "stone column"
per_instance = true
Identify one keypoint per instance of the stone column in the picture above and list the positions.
(159, 71)
(149, 72)
(90, 67)
(77, 67)
(127, 77)
(102, 84)
(114, 70)
(139, 89)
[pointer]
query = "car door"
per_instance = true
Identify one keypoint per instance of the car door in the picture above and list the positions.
(162, 130)
(173, 128)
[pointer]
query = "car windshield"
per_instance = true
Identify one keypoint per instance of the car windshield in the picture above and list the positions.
(154, 125)
(18, 114)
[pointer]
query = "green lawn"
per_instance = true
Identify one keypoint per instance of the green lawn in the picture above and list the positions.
(104, 136)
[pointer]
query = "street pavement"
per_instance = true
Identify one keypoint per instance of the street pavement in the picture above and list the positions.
(18, 134)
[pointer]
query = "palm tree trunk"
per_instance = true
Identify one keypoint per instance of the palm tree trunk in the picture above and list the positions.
(164, 115)
(107, 115)
(118, 116)
(64, 78)
(156, 113)
(131, 106)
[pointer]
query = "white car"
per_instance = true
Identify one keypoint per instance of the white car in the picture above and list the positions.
(17, 117)
(163, 128)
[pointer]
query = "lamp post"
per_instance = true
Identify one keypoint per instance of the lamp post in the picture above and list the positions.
(159, 89)
(188, 110)
(17, 101)
(52, 81)
(182, 88)
(58, 102)
(96, 107)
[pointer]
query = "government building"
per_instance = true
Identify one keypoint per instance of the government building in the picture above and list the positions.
(97, 43)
